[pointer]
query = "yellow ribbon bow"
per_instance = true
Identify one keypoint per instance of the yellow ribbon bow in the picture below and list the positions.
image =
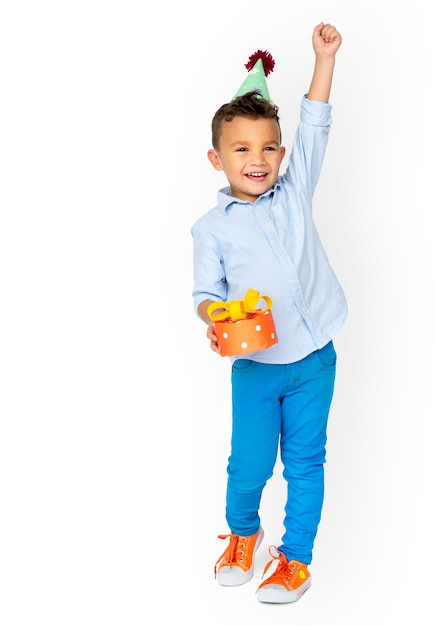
(236, 310)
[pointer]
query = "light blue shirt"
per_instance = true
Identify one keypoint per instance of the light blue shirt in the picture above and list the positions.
(272, 245)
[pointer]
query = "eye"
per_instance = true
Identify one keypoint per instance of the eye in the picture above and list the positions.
(241, 150)
(270, 149)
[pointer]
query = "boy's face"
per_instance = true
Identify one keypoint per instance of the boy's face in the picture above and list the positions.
(250, 154)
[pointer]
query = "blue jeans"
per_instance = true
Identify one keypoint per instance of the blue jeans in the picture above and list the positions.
(285, 406)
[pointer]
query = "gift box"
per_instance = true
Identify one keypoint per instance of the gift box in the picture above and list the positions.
(240, 327)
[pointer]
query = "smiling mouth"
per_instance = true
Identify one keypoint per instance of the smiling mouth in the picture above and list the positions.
(257, 175)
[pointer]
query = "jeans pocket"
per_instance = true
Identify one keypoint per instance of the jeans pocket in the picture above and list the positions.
(242, 365)
(327, 355)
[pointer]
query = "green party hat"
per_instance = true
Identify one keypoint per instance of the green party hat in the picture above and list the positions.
(259, 66)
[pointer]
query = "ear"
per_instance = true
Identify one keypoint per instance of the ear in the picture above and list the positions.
(282, 154)
(214, 160)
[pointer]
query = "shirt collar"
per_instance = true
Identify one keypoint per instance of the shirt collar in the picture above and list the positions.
(226, 200)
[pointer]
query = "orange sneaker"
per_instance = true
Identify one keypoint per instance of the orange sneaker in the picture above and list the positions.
(236, 565)
(289, 580)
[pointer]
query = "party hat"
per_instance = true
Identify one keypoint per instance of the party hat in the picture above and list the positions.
(259, 65)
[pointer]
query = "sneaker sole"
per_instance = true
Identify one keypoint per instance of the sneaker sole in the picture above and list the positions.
(277, 594)
(233, 576)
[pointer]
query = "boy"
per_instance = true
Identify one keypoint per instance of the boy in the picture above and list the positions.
(262, 235)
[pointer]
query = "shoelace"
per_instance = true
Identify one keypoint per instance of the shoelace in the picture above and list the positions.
(230, 554)
(284, 569)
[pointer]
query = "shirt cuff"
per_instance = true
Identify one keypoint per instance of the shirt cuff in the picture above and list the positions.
(315, 113)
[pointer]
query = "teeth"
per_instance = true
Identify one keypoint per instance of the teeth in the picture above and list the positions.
(257, 174)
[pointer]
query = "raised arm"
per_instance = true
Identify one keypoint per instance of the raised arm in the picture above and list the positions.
(326, 41)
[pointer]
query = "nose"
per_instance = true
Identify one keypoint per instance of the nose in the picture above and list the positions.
(257, 157)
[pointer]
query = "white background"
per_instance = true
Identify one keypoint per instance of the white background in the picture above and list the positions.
(115, 414)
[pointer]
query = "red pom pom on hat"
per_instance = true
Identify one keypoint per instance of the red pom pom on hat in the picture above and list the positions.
(266, 58)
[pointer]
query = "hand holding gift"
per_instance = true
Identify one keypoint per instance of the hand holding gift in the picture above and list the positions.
(240, 328)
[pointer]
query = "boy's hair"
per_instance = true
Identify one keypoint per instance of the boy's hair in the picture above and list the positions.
(249, 105)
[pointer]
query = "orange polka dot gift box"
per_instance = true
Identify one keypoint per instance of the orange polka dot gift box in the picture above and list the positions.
(241, 328)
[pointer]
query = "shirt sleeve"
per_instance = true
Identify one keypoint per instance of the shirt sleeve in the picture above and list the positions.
(208, 268)
(309, 145)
